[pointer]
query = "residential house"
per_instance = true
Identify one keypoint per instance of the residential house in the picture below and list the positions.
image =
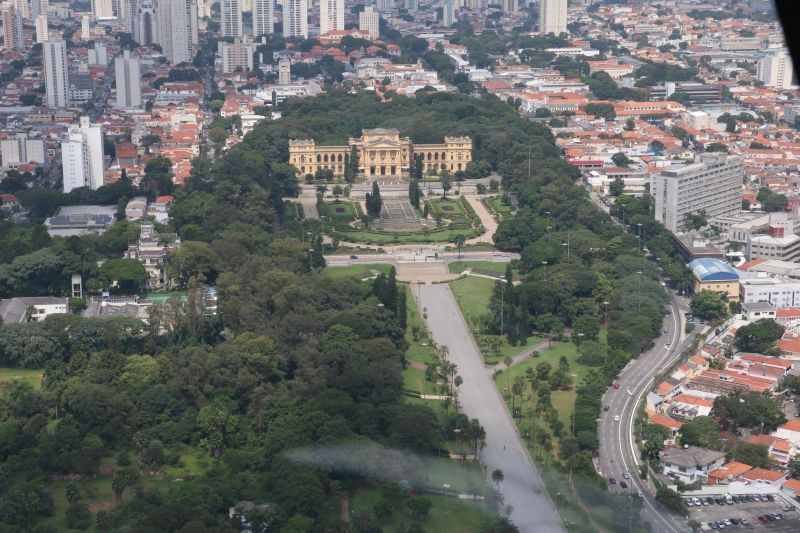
(31, 309)
(730, 472)
(690, 464)
(762, 477)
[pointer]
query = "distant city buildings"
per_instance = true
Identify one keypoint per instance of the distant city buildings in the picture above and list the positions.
(553, 16)
(13, 37)
(102, 9)
(331, 15)
(776, 70)
(295, 18)
(20, 150)
(712, 185)
(82, 156)
(231, 23)
(369, 21)
(237, 55)
(56, 77)
(263, 13)
(177, 29)
(42, 28)
(284, 71)
(144, 22)
(128, 78)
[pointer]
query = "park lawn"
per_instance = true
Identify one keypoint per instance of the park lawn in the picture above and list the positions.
(457, 267)
(193, 462)
(418, 350)
(96, 494)
(498, 206)
(414, 380)
(340, 272)
(446, 207)
(344, 209)
(8, 375)
(404, 237)
(446, 515)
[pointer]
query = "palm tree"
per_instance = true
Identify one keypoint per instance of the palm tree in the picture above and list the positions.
(72, 492)
(460, 240)
(498, 477)
(118, 485)
(507, 361)
(458, 381)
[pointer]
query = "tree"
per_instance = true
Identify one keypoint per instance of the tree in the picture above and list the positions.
(460, 240)
(671, 500)
(710, 304)
(498, 477)
(446, 184)
(125, 275)
(755, 455)
(701, 431)
(414, 192)
(601, 111)
(621, 160)
(717, 147)
(337, 192)
(616, 187)
(759, 336)
(771, 201)
(157, 178)
(419, 508)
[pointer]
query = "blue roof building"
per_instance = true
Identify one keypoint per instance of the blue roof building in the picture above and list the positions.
(711, 269)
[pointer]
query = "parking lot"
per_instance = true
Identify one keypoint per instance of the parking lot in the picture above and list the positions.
(749, 511)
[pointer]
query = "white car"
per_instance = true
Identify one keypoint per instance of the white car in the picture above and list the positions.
(616, 418)
(626, 475)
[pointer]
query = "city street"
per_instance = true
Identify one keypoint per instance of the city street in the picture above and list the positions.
(479, 398)
(618, 453)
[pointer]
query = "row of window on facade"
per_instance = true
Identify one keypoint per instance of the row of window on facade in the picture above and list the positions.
(324, 158)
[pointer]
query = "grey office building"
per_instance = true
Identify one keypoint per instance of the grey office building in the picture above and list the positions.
(712, 183)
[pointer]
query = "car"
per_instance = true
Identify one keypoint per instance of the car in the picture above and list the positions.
(721, 525)
(797, 414)
(719, 501)
(713, 525)
(727, 522)
(710, 500)
(353, 257)
(762, 518)
(756, 498)
(704, 502)
(612, 480)
(616, 418)
(626, 475)
(689, 502)
(605, 408)
(623, 484)
(641, 494)
(787, 508)
(771, 517)
(778, 516)
(669, 343)
(696, 501)
(750, 498)
(743, 521)
(736, 499)
(616, 385)
(770, 498)
(735, 521)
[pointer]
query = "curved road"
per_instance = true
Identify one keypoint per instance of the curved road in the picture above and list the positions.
(618, 453)
(479, 398)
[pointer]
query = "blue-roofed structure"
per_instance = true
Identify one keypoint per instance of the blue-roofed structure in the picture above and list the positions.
(711, 269)
(713, 274)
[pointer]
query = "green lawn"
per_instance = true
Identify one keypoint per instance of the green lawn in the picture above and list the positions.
(7, 375)
(496, 204)
(159, 298)
(343, 209)
(419, 349)
(447, 208)
(372, 236)
(414, 380)
(457, 267)
(447, 514)
(339, 272)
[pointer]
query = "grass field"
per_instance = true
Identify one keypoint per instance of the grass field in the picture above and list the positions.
(159, 298)
(343, 210)
(457, 267)
(446, 515)
(414, 380)
(372, 236)
(340, 272)
(496, 205)
(8, 375)
(418, 350)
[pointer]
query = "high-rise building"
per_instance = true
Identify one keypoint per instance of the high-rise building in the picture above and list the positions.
(128, 74)
(284, 72)
(295, 18)
(82, 156)
(331, 15)
(369, 21)
(56, 77)
(238, 54)
(86, 28)
(776, 70)
(102, 9)
(177, 29)
(144, 22)
(448, 13)
(20, 150)
(384, 6)
(231, 11)
(411, 6)
(263, 14)
(711, 185)
(510, 6)
(204, 8)
(553, 16)
(98, 55)
(13, 37)
(42, 29)
(38, 7)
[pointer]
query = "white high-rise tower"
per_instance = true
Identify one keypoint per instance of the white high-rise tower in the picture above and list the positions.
(263, 13)
(369, 21)
(128, 74)
(82, 156)
(331, 15)
(177, 29)
(295, 18)
(231, 18)
(776, 70)
(56, 78)
(553, 16)
(102, 9)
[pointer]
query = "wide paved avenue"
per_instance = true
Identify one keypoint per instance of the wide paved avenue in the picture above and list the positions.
(478, 398)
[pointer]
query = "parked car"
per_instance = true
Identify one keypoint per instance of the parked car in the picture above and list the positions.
(616, 418)
(605, 408)
(735, 499)
(616, 385)
(696, 501)
(623, 484)
(710, 500)
(770, 498)
(612, 480)
(689, 502)
(626, 475)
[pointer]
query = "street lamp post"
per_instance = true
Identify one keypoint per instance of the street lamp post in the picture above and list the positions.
(545, 270)
(639, 224)
(310, 264)
(580, 344)
(380, 309)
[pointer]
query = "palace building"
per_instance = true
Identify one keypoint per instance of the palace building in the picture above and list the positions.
(381, 152)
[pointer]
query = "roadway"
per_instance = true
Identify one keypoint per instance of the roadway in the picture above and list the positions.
(479, 398)
(618, 453)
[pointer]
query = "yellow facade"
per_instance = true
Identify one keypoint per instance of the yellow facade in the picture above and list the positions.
(381, 152)
(729, 287)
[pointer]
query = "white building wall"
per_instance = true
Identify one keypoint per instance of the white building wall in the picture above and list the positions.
(553, 16)
(369, 21)
(231, 11)
(331, 15)
(56, 77)
(263, 15)
(128, 77)
(295, 18)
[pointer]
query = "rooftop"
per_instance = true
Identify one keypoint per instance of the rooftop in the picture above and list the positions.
(711, 269)
(691, 457)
